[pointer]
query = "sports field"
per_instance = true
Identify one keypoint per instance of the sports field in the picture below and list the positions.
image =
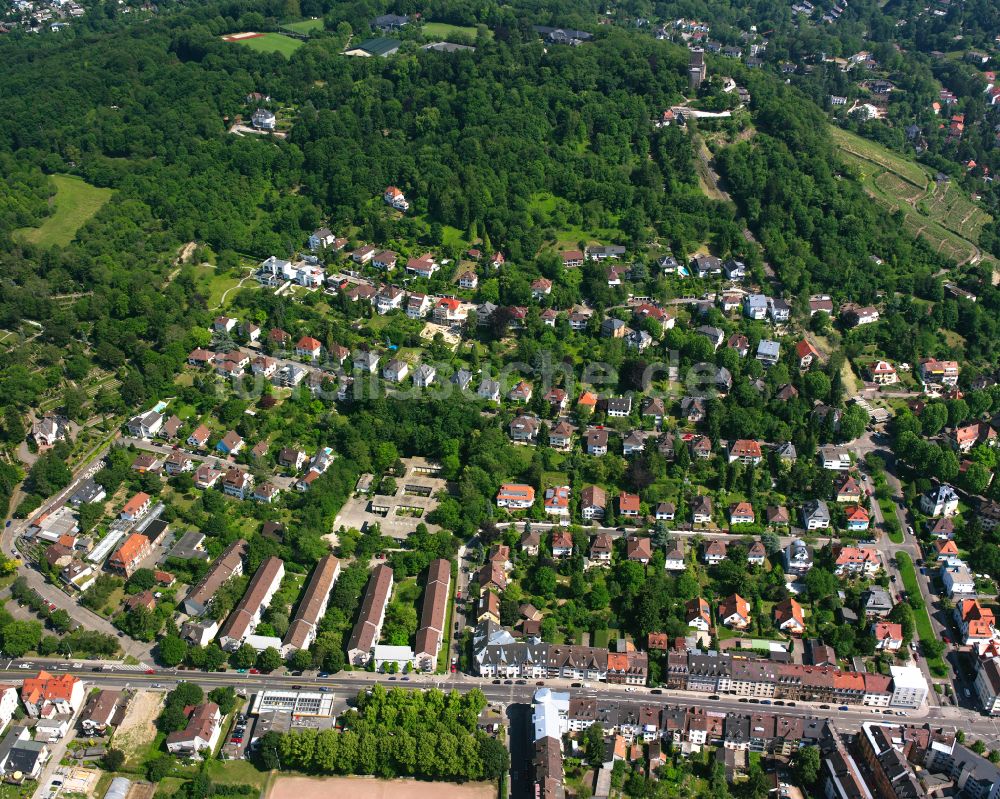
(305, 26)
(372, 788)
(75, 202)
(265, 42)
(437, 31)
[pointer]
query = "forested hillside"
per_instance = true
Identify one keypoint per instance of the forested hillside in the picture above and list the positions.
(526, 147)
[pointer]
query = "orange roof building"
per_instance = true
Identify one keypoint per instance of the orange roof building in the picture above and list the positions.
(136, 506)
(128, 556)
(47, 694)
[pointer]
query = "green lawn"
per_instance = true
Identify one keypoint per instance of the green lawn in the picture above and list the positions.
(272, 43)
(436, 31)
(235, 772)
(920, 618)
(910, 171)
(75, 202)
(305, 26)
(892, 524)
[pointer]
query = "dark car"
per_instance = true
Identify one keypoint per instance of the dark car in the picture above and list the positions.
(496, 682)
(576, 685)
(508, 682)
(824, 707)
(713, 696)
(520, 682)
(656, 691)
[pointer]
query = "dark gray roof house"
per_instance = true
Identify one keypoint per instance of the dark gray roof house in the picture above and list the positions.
(389, 22)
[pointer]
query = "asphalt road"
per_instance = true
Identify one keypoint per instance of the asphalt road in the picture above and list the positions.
(350, 683)
(52, 593)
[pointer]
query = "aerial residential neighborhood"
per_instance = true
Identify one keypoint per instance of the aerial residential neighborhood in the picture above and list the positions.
(424, 398)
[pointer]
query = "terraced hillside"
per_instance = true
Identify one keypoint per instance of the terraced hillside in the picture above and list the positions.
(939, 211)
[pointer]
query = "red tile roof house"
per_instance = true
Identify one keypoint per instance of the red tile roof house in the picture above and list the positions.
(628, 504)
(557, 501)
(308, 347)
(562, 544)
(572, 258)
(515, 496)
(966, 437)
(888, 636)
(806, 353)
(199, 437)
(698, 614)
(136, 507)
(788, 617)
(734, 612)
(638, 549)
(848, 490)
(48, 695)
(745, 451)
(201, 733)
(593, 501)
(741, 513)
(128, 556)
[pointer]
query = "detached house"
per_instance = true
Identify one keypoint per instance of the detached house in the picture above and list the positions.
(757, 554)
(806, 353)
(964, 438)
(714, 552)
(597, 442)
(788, 617)
(395, 198)
(741, 513)
(745, 451)
(557, 501)
(734, 612)
(701, 510)
(201, 733)
(888, 636)
(857, 518)
(674, 560)
(815, 515)
(601, 549)
(562, 544)
(515, 496)
(593, 501)
(308, 347)
(940, 501)
(698, 614)
(848, 490)
(638, 549)
(628, 505)
(856, 560)
(882, 373)
(524, 429)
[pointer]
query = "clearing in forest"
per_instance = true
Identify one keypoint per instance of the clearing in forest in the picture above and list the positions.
(265, 42)
(305, 26)
(73, 204)
(438, 31)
